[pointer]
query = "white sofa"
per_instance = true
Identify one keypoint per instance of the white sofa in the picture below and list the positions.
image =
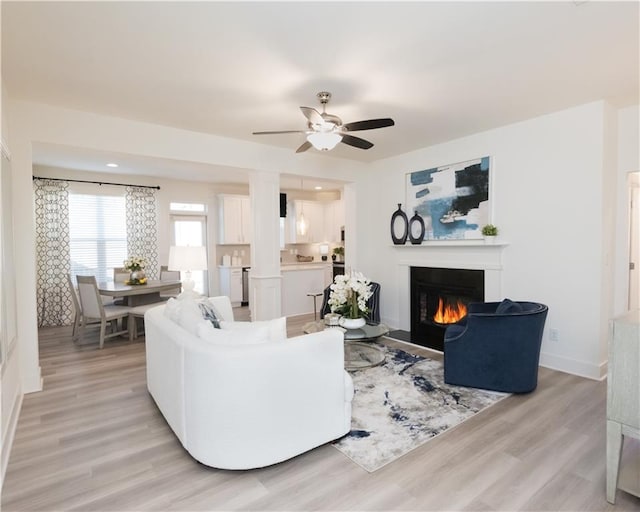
(248, 405)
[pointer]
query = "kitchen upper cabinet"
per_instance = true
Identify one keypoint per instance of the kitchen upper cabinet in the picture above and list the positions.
(234, 220)
(324, 221)
(313, 213)
(333, 220)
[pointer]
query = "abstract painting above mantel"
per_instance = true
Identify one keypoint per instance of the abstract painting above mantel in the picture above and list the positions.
(453, 199)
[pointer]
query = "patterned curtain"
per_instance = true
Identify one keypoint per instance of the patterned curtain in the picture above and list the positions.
(142, 227)
(52, 253)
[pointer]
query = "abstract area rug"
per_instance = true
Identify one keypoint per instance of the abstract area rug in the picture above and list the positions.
(401, 405)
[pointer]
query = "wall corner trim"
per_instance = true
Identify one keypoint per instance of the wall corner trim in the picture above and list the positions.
(7, 441)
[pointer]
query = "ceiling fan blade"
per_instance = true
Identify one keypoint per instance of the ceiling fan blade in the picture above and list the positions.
(369, 124)
(304, 147)
(356, 142)
(312, 115)
(281, 131)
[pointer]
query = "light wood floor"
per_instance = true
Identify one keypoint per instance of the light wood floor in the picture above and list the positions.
(94, 440)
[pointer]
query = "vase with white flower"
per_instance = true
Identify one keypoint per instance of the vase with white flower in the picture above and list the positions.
(348, 297)
(135, 266)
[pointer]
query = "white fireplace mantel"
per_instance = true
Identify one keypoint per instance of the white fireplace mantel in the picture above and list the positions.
(453, 254)
(471, 255)
(452, 243)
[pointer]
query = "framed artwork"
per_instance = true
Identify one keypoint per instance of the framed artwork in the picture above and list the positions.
(453, 200)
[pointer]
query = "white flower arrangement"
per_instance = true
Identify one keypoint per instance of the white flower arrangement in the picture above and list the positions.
(134, 264)
(349, 295)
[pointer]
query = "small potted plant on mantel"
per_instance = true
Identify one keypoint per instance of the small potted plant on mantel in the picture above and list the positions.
(338, 252)
(490, 232)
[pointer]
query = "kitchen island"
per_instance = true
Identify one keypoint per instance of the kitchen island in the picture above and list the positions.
(299, 279)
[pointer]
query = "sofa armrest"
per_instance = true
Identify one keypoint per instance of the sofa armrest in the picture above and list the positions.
(165, 361)
(239, 400)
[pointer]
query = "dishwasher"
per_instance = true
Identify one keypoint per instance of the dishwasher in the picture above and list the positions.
(245, 286)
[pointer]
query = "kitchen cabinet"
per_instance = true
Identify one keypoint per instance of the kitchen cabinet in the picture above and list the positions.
(234, 220)
(313, 212)
(333, 220)
(328, 275)
(297, 281)
(231, 284)
(324, 221)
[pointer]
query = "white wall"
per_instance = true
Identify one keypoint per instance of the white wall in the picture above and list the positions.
(628, 152)
(10, 380)
(547, 176)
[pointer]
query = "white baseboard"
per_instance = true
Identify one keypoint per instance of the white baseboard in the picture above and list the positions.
(560, 363)
(574, 366)
(7, 441)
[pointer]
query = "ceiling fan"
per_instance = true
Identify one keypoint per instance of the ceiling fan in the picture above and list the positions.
(326, 131)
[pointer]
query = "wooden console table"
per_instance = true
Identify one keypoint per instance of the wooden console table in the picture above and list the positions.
(623, 403)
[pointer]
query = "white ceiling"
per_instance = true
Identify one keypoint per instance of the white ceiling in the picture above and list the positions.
(441, 70)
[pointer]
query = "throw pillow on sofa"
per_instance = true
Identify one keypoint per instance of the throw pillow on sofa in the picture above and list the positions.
(253, 336)
(277, 327)
(190, 316)
(209, 313)
(172, 310)
(222, 306)
(188, 312)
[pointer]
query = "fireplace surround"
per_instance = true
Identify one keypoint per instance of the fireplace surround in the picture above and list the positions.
(456, 254)
(439, 297)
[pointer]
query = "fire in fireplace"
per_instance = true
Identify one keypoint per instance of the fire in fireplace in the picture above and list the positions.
(449, 313)
(439, 297)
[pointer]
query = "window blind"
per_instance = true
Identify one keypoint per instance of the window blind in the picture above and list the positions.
(98, 234)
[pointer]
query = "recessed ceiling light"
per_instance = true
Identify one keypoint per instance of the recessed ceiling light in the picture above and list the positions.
(112, 165)
(318, 187)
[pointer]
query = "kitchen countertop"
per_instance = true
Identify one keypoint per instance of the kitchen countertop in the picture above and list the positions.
(311, 265)
(285, 267)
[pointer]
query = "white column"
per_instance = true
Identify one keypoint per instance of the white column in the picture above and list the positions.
(265, 282)
(350, 227)
(25, 263)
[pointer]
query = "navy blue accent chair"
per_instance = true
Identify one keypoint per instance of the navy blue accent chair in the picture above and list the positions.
(373, 316)
(496, 346)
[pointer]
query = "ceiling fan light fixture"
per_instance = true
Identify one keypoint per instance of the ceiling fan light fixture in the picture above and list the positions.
(325, 131)
(324, 141)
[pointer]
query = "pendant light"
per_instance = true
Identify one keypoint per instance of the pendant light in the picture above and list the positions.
(301, 225)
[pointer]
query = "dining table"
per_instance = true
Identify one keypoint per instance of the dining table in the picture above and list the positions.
(139, 294)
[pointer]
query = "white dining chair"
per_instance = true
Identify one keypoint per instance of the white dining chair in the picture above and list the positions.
(77, 318)
(94, 309)
(137, 312)
(120, 275)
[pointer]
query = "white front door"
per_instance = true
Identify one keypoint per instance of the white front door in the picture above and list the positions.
(634, 239)
(191, 230)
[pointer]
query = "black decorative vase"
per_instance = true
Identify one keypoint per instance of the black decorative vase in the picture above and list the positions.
(416, 240)
(399, 221)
